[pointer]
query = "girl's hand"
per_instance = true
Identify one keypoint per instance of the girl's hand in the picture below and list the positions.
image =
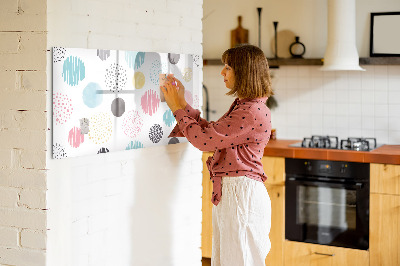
(171, 95)
(181, 91)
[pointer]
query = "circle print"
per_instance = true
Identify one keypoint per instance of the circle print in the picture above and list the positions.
(173, 58)
(103, 150)
(118, 107)
(58, 54)
(187, 74)
(73, 70)
(100, 128)
(196, 60)
(150, 102)
(189, 97)
(75, 137)
(196, 102)
(138, 80)
(90, 96)
(155, 72)
(156, 133)
(132, 124)
(103, 54)
(134, 145)
(62, 108)
(173, 141)
(115, 77)
(58, 151)
(168, 118)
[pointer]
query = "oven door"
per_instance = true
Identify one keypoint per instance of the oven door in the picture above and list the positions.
(327, 213)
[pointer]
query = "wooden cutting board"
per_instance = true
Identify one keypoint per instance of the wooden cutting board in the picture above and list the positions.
(239, 35)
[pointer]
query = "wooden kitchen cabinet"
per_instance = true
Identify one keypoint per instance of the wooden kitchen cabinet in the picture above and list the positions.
(384, 236)
(385, 178)
(206, 225)
(305, 254)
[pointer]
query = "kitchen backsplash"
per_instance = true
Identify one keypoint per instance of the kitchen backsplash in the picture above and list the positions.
(314, 102)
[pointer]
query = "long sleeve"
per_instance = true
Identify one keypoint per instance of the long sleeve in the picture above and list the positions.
(231, 130)
(193, 113)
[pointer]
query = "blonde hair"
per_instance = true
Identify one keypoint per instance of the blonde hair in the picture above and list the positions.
(250, 66)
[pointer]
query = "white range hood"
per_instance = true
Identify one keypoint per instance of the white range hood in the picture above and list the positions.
(341, 51)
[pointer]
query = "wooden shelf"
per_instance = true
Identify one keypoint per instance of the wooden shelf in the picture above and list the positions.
(273, 63)
(380, 61)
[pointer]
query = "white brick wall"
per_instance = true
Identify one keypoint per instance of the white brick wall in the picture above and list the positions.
(138, 207)
(23, 128)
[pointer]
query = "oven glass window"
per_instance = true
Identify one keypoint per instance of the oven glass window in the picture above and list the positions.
(327, 207)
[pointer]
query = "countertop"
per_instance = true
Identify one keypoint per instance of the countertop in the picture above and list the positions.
(389, 154)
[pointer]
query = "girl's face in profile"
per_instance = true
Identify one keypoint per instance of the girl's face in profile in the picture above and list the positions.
(229, 76)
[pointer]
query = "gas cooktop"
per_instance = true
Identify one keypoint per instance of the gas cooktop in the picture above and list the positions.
(332, 142)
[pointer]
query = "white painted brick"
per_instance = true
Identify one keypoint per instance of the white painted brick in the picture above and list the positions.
(5, 158)
(33, 239)
(35, 120)
(32, 61)
(23, 100)
(8, 197)
(33, 199)
(33, 159)
(23, 22)
(17, 256)
(21, 139)
(31, 80)
(23, 178)
(9, 42)
(22, 218)
(98, 222)
(33, 7)
(8, 80)
(8, 6)
(9, 237)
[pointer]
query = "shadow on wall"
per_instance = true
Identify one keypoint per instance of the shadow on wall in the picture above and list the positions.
(155, 207)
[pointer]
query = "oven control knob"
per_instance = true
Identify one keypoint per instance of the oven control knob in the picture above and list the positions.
(343, 168)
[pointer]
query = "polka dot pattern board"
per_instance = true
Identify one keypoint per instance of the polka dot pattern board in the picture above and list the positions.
(109, 100)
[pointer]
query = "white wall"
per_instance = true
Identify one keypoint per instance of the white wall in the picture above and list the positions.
(137, 207)
(305, 18)
(311, 102)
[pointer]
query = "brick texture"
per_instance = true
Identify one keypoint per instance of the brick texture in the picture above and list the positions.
(23, 128)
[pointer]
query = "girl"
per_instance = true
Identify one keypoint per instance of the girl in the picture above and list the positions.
(242, 209)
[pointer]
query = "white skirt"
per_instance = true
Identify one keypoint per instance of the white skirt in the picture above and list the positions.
(241, 223)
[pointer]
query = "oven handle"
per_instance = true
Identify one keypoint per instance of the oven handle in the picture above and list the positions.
(357, 185)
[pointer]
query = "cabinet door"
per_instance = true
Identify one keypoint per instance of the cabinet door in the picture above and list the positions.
(384, 236)
(385, 178)
(206, 232)
(277, 233)
(274, 168)
(304, 254)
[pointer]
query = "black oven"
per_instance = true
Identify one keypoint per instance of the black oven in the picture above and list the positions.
(327, 202)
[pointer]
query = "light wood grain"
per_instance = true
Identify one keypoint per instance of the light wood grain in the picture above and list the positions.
(384, 229)
(277, 233)
(206, 233)
(385, 178)
(305, 254)
(274, 168)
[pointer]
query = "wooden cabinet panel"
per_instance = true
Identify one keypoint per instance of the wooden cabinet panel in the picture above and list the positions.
(385, 178)
(206, 226)
(305, 254)
(274, 168)
(277, 233)
(384, 237)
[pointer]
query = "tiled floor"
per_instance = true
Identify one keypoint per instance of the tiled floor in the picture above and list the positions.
(206, 261)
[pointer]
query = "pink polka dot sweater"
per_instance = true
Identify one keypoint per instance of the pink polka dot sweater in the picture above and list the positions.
(238, 139)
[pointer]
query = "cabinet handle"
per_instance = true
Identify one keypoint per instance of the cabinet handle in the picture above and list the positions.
(325, 254)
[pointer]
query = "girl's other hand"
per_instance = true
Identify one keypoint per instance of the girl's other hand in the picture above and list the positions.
(171, 94)
(181, 91)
